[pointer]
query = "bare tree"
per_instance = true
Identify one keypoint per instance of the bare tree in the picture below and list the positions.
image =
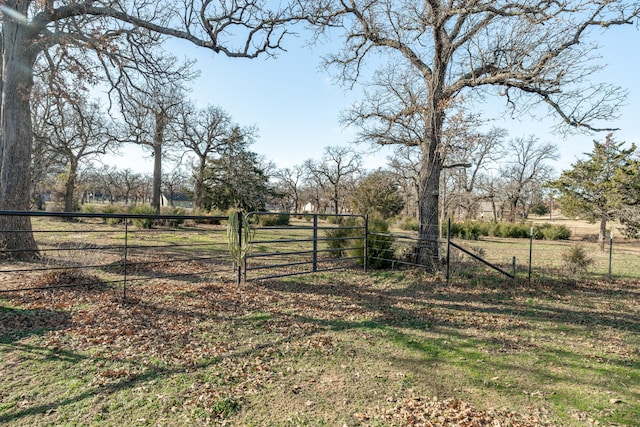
(174, 183)
(148, 114)
(468, 150)
(531, 53)
(116, 34)
(337, 168)
(525, 173)
(290, 183)
(205, 133)
(75, 129)
(405, 164)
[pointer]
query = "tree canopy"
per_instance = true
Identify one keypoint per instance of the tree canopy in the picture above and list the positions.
(531, 53)
(115, 39)
(601, 187)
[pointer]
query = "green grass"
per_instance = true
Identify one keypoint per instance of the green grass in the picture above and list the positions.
(327, 349)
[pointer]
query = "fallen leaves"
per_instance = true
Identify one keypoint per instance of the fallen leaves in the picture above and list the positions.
(241, 342)
(420, 412)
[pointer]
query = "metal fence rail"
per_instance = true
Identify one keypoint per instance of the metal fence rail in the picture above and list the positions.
(308, 243)
(120, 250)
(86, 249)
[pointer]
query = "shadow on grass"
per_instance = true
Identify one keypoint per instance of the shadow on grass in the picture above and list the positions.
(17, 323)
(477, 330)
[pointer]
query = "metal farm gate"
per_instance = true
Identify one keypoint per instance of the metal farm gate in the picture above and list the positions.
(285, 244)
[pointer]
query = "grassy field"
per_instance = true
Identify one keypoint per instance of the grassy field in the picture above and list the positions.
(384, 349)
(387, 348)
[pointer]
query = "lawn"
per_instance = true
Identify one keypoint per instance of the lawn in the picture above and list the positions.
(389, 348)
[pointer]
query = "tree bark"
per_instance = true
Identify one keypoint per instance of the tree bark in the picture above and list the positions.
(198, 190)
(603, 231)
(158, 139)
(431, 167)
(428, 200)
(70, 186)
(15, 177)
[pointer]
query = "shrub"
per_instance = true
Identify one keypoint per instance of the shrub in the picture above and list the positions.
(213, 221)
(553, 232)
(333, 219)
(380, 253)
(509, 230)
(175, 210)
(89, 208)
(469, 230)
(575, 260)
(473, 230)
(346, 241)
(516, 231)
(342, 238)
(112, 209)
(142, 210)
(273, 219)
(409, 224)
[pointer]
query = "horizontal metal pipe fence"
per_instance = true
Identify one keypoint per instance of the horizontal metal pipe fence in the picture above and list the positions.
(120, 249)
(313, 243)
(89, 249)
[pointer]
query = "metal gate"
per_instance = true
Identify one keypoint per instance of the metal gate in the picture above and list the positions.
(287, 244)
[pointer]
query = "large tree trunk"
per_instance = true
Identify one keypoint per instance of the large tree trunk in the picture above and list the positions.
(158, 139)
(429, 175)
(70, 186)
(15, 178)
(428, 199)
(198, 190)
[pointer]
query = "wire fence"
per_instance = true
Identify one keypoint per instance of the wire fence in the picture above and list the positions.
(83, 249)
(121, 250)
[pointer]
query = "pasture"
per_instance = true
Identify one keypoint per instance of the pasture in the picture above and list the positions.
(384, 348)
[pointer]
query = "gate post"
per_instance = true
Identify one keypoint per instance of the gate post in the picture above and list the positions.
(124, 260)
(365, 252)
(241, 261)
(448, 248)
(315, 242)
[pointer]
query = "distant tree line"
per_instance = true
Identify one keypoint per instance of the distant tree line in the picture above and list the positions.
(433, 59)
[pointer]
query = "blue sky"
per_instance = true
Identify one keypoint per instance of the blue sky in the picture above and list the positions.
(296, 106)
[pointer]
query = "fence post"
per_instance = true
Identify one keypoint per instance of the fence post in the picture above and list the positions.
(530, 251)
(365, 252)
(610, 253)
(448, 248)
(315, 242)
(514, 269)
(240, 261)
(124, 260)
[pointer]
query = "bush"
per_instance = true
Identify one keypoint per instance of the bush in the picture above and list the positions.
(213, 221)
(347, 241)
(175, 210)
(469, 230)
(90, 208)
(513, 231)
(142, 210)
(575, 260)
(273, 219)
(408, 223)
(344, 237)
(112, 209)
(553, 232)
(380, 253)
(473, 230)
